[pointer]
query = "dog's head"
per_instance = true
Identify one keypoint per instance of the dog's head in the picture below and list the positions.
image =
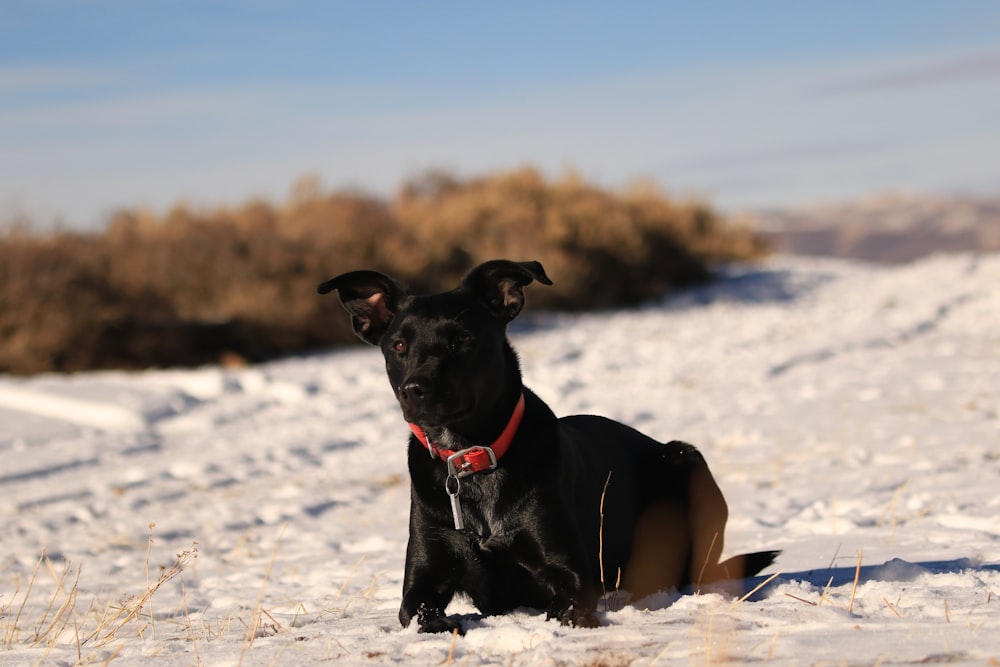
(446, 354)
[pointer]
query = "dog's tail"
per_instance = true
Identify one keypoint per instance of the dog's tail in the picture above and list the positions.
(745, 565)
(755, 562)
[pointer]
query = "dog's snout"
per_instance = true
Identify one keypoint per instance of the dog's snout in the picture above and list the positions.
(413, 391)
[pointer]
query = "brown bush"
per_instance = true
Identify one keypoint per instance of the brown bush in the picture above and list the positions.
(193, 286)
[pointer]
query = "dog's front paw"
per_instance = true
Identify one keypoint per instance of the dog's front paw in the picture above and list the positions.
(434, 620)
(574, 617)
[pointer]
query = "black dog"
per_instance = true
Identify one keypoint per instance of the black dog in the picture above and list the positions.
(510, 505)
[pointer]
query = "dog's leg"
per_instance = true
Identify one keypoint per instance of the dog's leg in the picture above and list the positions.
(426, 593)
(661, 550)
(709, 513)
(571, 602)
(578, 610)
(434, 620)
(680, 542)
(431, 576)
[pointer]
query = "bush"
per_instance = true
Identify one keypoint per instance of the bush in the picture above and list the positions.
(192, 287)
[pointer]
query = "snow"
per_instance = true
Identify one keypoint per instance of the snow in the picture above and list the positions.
(850, 413)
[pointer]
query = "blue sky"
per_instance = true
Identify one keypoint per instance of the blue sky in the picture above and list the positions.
(748, 104)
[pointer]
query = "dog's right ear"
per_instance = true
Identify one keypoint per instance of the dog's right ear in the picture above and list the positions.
(370, 297)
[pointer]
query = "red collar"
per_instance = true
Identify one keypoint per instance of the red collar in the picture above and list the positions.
(475, 459)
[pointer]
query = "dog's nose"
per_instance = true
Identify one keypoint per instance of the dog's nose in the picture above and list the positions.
(413, 391)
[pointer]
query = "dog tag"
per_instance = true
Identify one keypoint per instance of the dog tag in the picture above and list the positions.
(456, 506)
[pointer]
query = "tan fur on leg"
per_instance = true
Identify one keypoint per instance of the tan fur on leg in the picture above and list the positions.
(660, 548)
(708, 516)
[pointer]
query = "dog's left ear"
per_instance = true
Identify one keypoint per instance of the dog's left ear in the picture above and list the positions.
(500, 284)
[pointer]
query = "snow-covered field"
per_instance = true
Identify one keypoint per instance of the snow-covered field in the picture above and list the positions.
(850, 413)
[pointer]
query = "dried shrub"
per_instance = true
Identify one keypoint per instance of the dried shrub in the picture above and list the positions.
(194, 286)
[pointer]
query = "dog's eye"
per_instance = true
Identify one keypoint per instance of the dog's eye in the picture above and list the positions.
(399, 346)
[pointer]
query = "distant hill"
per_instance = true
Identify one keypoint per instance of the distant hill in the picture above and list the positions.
(886, 229)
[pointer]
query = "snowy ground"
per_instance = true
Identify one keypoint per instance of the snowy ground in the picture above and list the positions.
(848, 412)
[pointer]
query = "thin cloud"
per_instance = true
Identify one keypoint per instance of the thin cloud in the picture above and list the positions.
(737, 133)
(984, 66)
(789, 153)
(45, 79)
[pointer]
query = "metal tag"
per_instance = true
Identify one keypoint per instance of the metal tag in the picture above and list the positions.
(456, 506)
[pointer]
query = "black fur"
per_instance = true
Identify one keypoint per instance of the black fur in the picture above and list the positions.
(533, 532)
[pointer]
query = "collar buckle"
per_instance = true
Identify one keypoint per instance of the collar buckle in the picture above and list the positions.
(469, 461)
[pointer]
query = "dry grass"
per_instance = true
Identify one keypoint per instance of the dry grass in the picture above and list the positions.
(196, 286)
(854, 588)
(51, 612)
(825, 595)
(50, 618)
(255, 629)
(750, 593)
(131, 607)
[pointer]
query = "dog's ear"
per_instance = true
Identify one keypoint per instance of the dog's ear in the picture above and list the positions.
(370, 297)
(500, 284)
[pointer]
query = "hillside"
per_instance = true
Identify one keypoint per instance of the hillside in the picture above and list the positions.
(887, 229)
